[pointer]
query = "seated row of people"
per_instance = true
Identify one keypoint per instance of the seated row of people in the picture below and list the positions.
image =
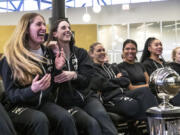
(47, 91)
(139, 72)
(55, 88)
(115, 86)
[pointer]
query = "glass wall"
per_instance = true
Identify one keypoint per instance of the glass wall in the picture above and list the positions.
(113, 36)
(178, 33)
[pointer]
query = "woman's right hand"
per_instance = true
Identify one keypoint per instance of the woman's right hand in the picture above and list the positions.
(42, 84)
(60, 60)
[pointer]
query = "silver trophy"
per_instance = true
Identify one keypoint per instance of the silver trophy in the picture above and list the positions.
(166, 82)
(164, 119)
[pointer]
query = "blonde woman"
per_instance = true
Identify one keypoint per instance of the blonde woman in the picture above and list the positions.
(176, 60)
(26, 72)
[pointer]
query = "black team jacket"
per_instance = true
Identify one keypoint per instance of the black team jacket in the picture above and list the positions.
(75, 92)
(107, 83)
(22, 96)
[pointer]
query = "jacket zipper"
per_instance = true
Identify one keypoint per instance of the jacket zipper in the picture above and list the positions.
(69, 69)
(40, 96)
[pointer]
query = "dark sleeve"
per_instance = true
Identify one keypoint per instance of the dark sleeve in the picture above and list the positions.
(148, 67)
(99, 82)
(122, 81)
(142, 67)
(85, 70)
(121, 69)
(13, 92)
(115, 68)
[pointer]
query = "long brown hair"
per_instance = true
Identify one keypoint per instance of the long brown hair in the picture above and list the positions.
(54, 28)
(23, 63)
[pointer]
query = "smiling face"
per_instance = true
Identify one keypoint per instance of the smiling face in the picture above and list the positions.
(98, 54)
(129, 52)
(37, 31)
(63, 33)
(155, 48)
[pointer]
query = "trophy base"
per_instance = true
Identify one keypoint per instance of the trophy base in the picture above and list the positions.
(162, 113)
(164, 121)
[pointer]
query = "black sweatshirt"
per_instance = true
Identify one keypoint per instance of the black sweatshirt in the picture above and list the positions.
(17, 95)
(74, 92)
(151, 65)
(107, 82)
(175, 66)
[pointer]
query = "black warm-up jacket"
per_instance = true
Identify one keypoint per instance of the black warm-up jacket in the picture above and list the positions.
(107, 82)
(75, 92)
(18, 95)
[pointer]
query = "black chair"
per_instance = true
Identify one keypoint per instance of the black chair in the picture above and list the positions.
(125, 125)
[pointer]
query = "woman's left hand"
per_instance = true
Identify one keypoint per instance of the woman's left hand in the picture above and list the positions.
(65, 76)
(118, 75)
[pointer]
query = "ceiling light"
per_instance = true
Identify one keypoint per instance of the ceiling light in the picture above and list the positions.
(86, 17)
(125, 7)
(97, 8)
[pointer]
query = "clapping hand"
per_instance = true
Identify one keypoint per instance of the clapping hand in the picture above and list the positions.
(60, 59)
(118, 75)
(65, 76)
(42, 84)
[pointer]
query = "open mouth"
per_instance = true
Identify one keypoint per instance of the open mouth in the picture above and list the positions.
(130, 55)
(102, 56)
(41, 34)
(67, 33)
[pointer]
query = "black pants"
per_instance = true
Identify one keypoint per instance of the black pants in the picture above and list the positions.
(93, 118)
(37, 122)
(6, 126)
(133, 103)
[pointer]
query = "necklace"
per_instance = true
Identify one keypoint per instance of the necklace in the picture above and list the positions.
(155, 63)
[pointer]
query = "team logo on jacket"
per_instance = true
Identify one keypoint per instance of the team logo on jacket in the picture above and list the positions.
(75, 62)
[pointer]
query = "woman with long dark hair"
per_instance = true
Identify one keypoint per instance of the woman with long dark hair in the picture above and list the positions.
(73, 80)
(152, 60)
(152, 55)
(136, 71)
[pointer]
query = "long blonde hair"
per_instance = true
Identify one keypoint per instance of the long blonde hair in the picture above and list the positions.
(23, 63)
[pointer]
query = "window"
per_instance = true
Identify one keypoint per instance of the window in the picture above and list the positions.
(113, 36)
(27, 5)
